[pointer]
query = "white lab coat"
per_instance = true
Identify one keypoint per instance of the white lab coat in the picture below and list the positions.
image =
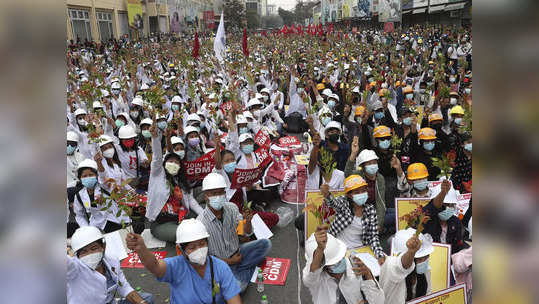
(127, 159)
(392, 279)
(73, 161)
(98, 218)
(85, 285)
(323, 287)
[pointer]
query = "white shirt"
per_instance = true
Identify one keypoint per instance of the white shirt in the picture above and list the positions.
(392, 279)
(336, 181)
(73, 161)
(352, 235)
(97, 217)
(323, 287)
(128, 160)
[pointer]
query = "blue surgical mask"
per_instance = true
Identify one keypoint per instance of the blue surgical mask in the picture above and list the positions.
(244, 130)
(409, 96)
(468, 147)
(446, 214)
(384, 144)
(421, 185)
(467, 91)
(230, 167)
(339, 267)
(325, 120)
(115, 91)
(70, 150)
(217, 202)
(331, 103)
(89, 182)
(407, 121)
(119, 123)
(180, 153)
(360, 199)
(247, 149)
(175, 107)
(162, 125)
(146, 133)
(428, 145)
(371, 169)
(421, 268)
(379, 115)
(458, 121)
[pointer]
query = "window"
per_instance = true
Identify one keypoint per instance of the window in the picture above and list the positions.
(80, 24)
(104, 22)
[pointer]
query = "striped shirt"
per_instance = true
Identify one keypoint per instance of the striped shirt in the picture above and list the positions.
(223, 241)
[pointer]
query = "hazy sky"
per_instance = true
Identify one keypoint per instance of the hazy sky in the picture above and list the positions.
(285, 4)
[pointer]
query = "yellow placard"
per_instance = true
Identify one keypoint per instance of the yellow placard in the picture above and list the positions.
(302, 159)
(452, 295)
(316, 198)
(439, 266)
(134, 13)
(420, 112)
(404, 206)
(286, 108)
(239, 229)
(364, 249)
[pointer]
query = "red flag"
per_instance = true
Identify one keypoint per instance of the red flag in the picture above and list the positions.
(285, 29)
(331, 28)
(293, 29)
(244, 44)
(309, 29)
(196, 46)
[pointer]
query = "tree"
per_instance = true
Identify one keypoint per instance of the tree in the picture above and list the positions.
(234, 13)
(272, 21)
(287, 16)
(253, 20)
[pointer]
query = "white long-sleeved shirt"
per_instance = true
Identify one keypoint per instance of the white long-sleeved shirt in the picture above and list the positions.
(392, 279)
(73, 161)
(98, 218)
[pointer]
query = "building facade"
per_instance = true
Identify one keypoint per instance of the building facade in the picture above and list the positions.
(272, 9)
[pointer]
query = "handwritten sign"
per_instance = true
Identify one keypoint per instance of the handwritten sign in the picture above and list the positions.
(452, 295)
(199, 168)
(133, 261)
(302, 159)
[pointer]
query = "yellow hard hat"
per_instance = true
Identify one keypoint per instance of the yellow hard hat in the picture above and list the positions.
(427, 133)
(171, 65)
(435, 116)
(382, 92)
(419, 40)
(353, 182)
(371, 57)
(359, 111)
(408, 89)
(381, 131)
(417, 171)
(372, 84)
(397, 83)
(320, 86)
(431, 62)
(456, 110)
(454, 94)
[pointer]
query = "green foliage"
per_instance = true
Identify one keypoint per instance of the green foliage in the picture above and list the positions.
(327, 163)
(234, 12)
(253, 20)
(444, 165)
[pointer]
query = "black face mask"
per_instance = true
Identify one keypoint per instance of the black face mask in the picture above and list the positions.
(333, 138)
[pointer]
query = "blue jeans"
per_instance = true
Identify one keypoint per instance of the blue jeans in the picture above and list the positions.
(144, 295)
(252, 254)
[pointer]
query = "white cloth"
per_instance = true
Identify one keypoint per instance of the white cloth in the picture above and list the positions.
(336, 181)
(128, 160)
(392, 279)
(352, 235)
(220, 40)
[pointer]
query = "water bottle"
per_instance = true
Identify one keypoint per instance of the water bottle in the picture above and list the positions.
(264, 300)
(260, 281)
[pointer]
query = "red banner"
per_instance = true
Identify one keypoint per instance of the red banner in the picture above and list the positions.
(288, 141)
(262, 139)
(226, 108)
(198, 169)
(247, 177)
(133, 261)
(275, 270)
(389, 27)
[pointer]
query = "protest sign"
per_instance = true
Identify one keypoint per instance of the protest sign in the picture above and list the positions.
(440, 266)
(452, 295)
(404, 206)
(315, 197)
(288, 141)
(275, 271)
(262, 155)
(262, 139)
(302, 159)
(133, 261)
(247, 177)
(199, 168)
(389, 27)
(293, 184)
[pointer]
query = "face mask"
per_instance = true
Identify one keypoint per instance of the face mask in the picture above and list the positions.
(175, 107)
(384, 144)
(458, 121)
(339, 267)
(134, 114)
(371, 169)
(384, 85)
(82, 122)
(244, 130)
(128, 142)
(422, 267)
(468, 147)
(247, 149)
(162, 125)
(430, 84)
(358, 119)
(92, 260)
(172, 168)
(216, 202)
(452, 79)
(180, 153)
(70, 150)
(453, 101)
(325, 120)
(428, 145)
(407, 121)
(409, 96)
(421, 185)
(230, 167)
(251, 125)
(256, 113)
(119, 123)
(109, 153)
(467, 91)
(360, 199)
(300, 90)
(199, 256)
(334, 138)
(89, 182)
(115, 91)
(265, 98)
(370, 79)
(446, 214)
(331, 103)
(193, 142)
(146, 133)
(379, 115)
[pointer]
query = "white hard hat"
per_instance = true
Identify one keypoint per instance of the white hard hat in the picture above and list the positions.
(248, 114)
(398, 245)
(334, 252)
(327, 92)
(213, 181)
(124, 115)
(201, 113)
(79, 112)
(190, 129)
(346, 66)
(324, 110)
(334, 96)
(176, 140)
(146, 121)
(218, 80)
(176, 99)
(355, 89)
(212, 96)
(84, 236)
(72, 136)
(190, 230)
(126, 132)
(265, 90)
(332, 124)
(87, 163)
(96, 104)
(244, 137)
(258, 96)
(137, 101)
(366, 155)
(193, 117)
(105, 93)
(240, 119)
(253, 102)
(104, 139)
(115, 85)
(144, 86)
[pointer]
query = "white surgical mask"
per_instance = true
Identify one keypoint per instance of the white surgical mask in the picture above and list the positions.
(134, 114)
(422, 267)
(92, 260)
(172, 168)
(109, 153)
(199, 256)
(180, 153)
(453, 101)
(82, 122)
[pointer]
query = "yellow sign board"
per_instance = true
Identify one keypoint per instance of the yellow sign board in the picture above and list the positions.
(316, 198)
(134, 14)
(404, 206)
(302, 159)
(364, 249)
(452, 295)
(439, 266)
